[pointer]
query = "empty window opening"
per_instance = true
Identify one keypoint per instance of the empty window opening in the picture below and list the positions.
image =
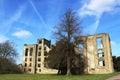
(101, 63)
(29, 70)
(99, 43)
(39, 59)
(30, 59)
(39, 70)
(24, 69)
(25, 64)
(31, 51)
(100, 54)
(45, 59)
(80, 46)
(26, 59)
(44, 48)
(40, 41)
(39, 65)
(39, 47)
(30, 64)
(26, 52)
(45, 53)
(39, 53)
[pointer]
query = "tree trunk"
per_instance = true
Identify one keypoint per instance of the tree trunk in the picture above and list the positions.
(68, 66)
(59, 71)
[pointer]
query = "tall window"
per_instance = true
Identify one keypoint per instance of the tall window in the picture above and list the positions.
(31, 51)
(39, 70)
(30, 59)
(39, 53)
(30, 64)
(26, 52)
(99, 43)
(39, 65)
(45, 53)
(25, 59)
(39, 47)
(39, 59)
(100, 51)
(25, 64)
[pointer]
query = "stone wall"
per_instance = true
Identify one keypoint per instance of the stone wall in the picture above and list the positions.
(34, 57)
(97, 53)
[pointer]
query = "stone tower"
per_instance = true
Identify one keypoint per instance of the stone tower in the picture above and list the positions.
(34, 57)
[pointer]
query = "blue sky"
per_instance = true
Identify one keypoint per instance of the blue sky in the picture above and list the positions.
(24, 21)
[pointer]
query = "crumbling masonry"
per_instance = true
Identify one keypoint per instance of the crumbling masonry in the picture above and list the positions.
(96, 51)
(34, 57)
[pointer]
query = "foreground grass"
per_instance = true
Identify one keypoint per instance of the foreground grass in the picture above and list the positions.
(55, 77)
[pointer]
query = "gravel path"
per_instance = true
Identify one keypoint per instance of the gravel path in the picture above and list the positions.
(114, 78)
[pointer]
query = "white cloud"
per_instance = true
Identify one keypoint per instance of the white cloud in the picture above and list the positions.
(97, 8)
(3, 38)
(22, 34)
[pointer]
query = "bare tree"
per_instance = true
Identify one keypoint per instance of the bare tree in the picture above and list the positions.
(68, 28)
(8, 53)
(8, 49)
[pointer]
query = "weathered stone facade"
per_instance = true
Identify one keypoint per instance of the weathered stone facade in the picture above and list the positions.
(34, 57)
(96, 51)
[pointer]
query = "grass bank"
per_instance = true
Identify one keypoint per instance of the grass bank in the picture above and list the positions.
(55, 77)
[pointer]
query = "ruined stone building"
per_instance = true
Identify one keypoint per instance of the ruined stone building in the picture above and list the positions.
(94, 49)
(34, 57)
(96, 52)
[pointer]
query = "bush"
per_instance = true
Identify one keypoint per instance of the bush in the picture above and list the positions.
(7, 66)
(116, 63)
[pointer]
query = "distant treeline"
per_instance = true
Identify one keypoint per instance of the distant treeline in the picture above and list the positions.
(8, 66)
(116, 63)
(8, 55)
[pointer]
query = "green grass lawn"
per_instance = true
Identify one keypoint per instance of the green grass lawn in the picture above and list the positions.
(55, 77)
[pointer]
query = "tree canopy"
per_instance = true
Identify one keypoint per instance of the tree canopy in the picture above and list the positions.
(68, 28)
(8, 49)
(116, 63)
(57, 59)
